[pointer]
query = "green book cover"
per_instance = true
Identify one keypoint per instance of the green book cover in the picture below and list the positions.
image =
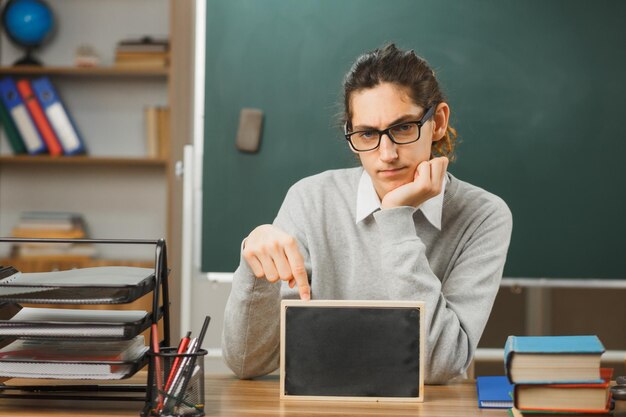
(15, 139)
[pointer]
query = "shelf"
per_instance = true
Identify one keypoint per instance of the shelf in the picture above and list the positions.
(85, 71)
(81, 160)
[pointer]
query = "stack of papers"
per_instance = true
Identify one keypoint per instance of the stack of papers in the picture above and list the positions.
(53, 322)
(71, 359)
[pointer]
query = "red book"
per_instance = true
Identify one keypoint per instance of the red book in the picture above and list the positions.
(39, 117)
(565, 398)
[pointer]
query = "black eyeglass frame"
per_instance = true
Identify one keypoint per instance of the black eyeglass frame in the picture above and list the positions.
(421, 122)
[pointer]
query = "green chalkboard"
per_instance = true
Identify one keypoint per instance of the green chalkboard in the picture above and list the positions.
(537, 91)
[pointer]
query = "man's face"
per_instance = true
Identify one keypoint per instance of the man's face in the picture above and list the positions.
(390, 165)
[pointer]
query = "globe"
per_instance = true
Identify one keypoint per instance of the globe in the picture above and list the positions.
(29, 24)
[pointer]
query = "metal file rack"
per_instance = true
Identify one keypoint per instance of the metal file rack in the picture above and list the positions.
(109, 392)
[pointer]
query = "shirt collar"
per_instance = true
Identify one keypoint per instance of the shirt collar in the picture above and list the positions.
(367, 202)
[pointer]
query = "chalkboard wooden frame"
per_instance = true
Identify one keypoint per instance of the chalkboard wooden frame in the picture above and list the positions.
(295, 312)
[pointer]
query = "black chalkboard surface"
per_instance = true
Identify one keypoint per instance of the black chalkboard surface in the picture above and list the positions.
(536, 90)
(357, 350)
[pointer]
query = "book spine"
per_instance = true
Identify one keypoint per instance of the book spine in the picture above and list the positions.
(41, 121)
(164, 131)
(17, 109)
(13, 135)
(151, 131)
(60, 119)
(509, 348)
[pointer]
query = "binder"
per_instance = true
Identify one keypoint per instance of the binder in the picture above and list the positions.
(13, 135)
(58, 116)
(36, 112)
(23, 122)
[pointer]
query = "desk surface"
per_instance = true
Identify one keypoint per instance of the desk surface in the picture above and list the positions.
(229, 397)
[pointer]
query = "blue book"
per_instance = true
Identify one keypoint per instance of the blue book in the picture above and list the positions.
(59, 118)
(553, 359)
(494, 392)
(25, 125)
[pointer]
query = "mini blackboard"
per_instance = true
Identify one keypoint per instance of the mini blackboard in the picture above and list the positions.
(352, 350)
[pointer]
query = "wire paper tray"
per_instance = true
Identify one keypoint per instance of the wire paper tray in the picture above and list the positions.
(52, 329)
(78, 286)
(73, 370)
(73, 287)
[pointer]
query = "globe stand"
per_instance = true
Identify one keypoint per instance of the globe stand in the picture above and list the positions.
(28, 60)
(28, 24)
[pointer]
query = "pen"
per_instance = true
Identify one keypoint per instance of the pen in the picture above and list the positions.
(182, 347)
(192, 362)
(176, 392)
(172, 391)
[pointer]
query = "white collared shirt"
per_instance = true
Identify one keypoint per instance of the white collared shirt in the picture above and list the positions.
(367, 202)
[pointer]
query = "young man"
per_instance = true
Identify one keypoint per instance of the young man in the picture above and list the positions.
(400, 227)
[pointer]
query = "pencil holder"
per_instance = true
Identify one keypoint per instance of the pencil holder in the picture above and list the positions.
(177, 383)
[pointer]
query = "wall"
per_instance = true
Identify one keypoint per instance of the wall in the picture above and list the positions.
(116, 201)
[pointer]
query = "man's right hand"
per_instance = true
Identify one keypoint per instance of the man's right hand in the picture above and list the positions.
(273, 254)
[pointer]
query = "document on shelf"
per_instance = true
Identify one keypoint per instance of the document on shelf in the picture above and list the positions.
(76, 359)
(56, 322)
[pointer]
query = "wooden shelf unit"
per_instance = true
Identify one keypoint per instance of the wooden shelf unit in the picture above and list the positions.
(81, 160)
(85, 71)
(34, 180)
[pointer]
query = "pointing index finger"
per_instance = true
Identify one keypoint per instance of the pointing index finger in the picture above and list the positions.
(296, 262)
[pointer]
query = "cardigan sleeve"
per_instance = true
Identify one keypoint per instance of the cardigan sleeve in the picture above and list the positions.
(250, 337)
(458, 308)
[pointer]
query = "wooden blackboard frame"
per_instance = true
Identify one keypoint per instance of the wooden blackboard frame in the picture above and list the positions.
(354, 304)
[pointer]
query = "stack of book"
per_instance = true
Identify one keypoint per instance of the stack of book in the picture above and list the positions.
(557, 374)
(52, 224)
(35, 120)
(142, 53)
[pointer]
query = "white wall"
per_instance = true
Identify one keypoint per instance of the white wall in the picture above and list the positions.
(118, 202)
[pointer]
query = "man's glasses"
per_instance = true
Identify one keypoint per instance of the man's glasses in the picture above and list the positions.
(400, 133)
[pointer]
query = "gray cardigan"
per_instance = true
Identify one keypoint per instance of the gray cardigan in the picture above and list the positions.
(394, 254)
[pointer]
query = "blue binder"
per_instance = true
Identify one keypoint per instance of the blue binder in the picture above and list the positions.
(59, 118)
(19, 113)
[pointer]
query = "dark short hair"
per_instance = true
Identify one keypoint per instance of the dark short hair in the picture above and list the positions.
(405, 69)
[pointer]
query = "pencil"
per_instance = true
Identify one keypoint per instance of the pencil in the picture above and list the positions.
(154, 333)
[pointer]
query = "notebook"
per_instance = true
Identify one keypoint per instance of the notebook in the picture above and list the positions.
(83, 359)
(56, 322)
(494, 392)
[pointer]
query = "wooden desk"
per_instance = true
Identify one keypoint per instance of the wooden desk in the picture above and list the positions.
(227, 396)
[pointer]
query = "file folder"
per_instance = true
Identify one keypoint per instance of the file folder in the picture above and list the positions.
(23, 122)
(59, 117)
(38, 116)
